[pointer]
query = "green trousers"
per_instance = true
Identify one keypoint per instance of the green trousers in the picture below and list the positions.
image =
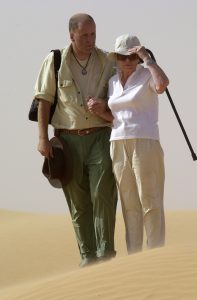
(91, 194)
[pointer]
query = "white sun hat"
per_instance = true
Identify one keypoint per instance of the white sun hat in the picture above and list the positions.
(123, 43)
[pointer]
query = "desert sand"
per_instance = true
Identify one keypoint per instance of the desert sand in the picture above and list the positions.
(39, 261)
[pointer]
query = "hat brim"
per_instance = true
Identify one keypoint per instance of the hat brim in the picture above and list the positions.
(68, 166)
(112, 55)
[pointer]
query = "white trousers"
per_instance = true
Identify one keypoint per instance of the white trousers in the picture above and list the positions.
(138, 166)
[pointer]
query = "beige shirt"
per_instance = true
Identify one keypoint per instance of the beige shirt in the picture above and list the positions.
(87, 83)
(71, 111)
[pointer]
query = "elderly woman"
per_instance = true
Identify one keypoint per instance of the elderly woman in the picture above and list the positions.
(136, 152)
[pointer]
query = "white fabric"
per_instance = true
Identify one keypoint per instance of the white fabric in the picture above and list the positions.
(138, 167)
(134, 106)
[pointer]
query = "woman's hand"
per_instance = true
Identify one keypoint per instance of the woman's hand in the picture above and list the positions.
(140, 51)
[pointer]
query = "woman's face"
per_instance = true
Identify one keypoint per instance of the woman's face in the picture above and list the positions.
(127, 63)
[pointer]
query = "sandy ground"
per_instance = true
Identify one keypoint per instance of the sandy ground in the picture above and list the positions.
(39, 261)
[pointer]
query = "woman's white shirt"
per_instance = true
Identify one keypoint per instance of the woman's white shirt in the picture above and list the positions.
(134, 106)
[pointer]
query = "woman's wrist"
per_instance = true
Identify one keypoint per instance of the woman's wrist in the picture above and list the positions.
(148, 61)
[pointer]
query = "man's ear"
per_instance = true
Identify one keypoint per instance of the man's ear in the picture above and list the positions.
(72, 36)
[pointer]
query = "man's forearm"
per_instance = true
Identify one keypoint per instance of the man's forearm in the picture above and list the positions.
(43, 118)
(107, 115)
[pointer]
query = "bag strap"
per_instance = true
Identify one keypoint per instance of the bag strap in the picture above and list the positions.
(57, 63)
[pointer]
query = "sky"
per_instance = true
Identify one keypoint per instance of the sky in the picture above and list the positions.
(30, 29)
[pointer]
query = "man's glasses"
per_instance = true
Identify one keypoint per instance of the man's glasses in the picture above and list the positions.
(124, 57)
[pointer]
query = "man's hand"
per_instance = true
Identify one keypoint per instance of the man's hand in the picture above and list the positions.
(96, 106)
(99, 108)
(45, 148)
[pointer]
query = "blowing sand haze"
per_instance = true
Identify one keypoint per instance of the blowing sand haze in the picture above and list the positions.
(39, 261)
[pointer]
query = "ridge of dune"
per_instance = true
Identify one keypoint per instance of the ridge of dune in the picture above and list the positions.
(156, 274)
(39, 260)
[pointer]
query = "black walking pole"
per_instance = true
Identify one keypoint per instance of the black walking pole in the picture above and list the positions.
(177, 115)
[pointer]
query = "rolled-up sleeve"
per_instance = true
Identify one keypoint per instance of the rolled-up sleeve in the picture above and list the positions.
(45, 86)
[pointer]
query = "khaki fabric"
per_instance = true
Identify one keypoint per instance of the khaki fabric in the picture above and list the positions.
(71, 113)
(139, 171)
(88, 84)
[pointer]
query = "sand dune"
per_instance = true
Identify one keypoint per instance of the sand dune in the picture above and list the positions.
(39, 261)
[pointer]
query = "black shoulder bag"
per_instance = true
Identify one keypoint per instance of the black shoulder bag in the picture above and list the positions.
(33, 112)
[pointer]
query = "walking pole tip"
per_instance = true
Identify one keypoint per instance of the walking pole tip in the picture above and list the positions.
(194, 156)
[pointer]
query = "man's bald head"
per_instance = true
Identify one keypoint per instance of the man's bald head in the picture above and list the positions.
(79, 18)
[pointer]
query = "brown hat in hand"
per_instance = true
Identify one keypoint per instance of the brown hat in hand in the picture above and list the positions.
(58, 169)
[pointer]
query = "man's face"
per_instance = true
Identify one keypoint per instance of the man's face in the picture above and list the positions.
(84, 37)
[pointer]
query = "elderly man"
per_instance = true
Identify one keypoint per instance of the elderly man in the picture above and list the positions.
(91, 194)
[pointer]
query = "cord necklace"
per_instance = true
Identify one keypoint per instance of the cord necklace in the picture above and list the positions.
(83, 71)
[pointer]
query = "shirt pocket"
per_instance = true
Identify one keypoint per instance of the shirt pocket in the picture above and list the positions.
(67, 91)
